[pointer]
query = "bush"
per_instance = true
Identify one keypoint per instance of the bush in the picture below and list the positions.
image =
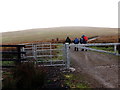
(26, 75)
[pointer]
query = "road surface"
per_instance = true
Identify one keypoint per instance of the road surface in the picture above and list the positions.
(101, 68)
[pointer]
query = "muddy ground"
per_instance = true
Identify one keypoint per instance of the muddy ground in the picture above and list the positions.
(99, 69)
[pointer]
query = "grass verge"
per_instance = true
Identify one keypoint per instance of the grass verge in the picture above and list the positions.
(75, 81)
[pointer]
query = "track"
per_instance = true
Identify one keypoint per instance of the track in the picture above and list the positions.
(101, 68)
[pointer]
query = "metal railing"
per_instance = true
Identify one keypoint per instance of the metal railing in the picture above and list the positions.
(87, 46)
(48, 54)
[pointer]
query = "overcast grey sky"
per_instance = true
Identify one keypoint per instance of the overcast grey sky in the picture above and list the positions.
(27, 14)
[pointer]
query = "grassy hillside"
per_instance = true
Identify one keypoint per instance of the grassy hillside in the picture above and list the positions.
(44, 34)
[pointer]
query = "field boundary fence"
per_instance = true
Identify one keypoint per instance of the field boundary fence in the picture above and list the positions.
(12, 55)
(50, 54)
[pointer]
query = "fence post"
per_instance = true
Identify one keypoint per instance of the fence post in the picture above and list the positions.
(115, 48)
(67, 55)
(51, 53)
(32, 50)
(119, 47)
(19, 55)
(35, 53)
(23, 55)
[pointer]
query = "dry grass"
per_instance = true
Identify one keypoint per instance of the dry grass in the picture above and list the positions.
(106, 39)
(47, 34)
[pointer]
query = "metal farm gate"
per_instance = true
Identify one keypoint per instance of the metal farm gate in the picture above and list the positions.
(89, 45)
(48, 54)
(51, 54)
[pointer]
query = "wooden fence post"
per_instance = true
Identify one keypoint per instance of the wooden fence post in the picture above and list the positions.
(67, 55)
(18, 55)
(119, 47)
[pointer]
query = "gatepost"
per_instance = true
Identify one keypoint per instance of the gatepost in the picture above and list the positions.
(67, 55)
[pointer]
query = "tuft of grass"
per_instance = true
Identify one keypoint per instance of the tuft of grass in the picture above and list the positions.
(106, 48)
(68, 76)
(74, 81)
(7, 63)
(103, 48)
